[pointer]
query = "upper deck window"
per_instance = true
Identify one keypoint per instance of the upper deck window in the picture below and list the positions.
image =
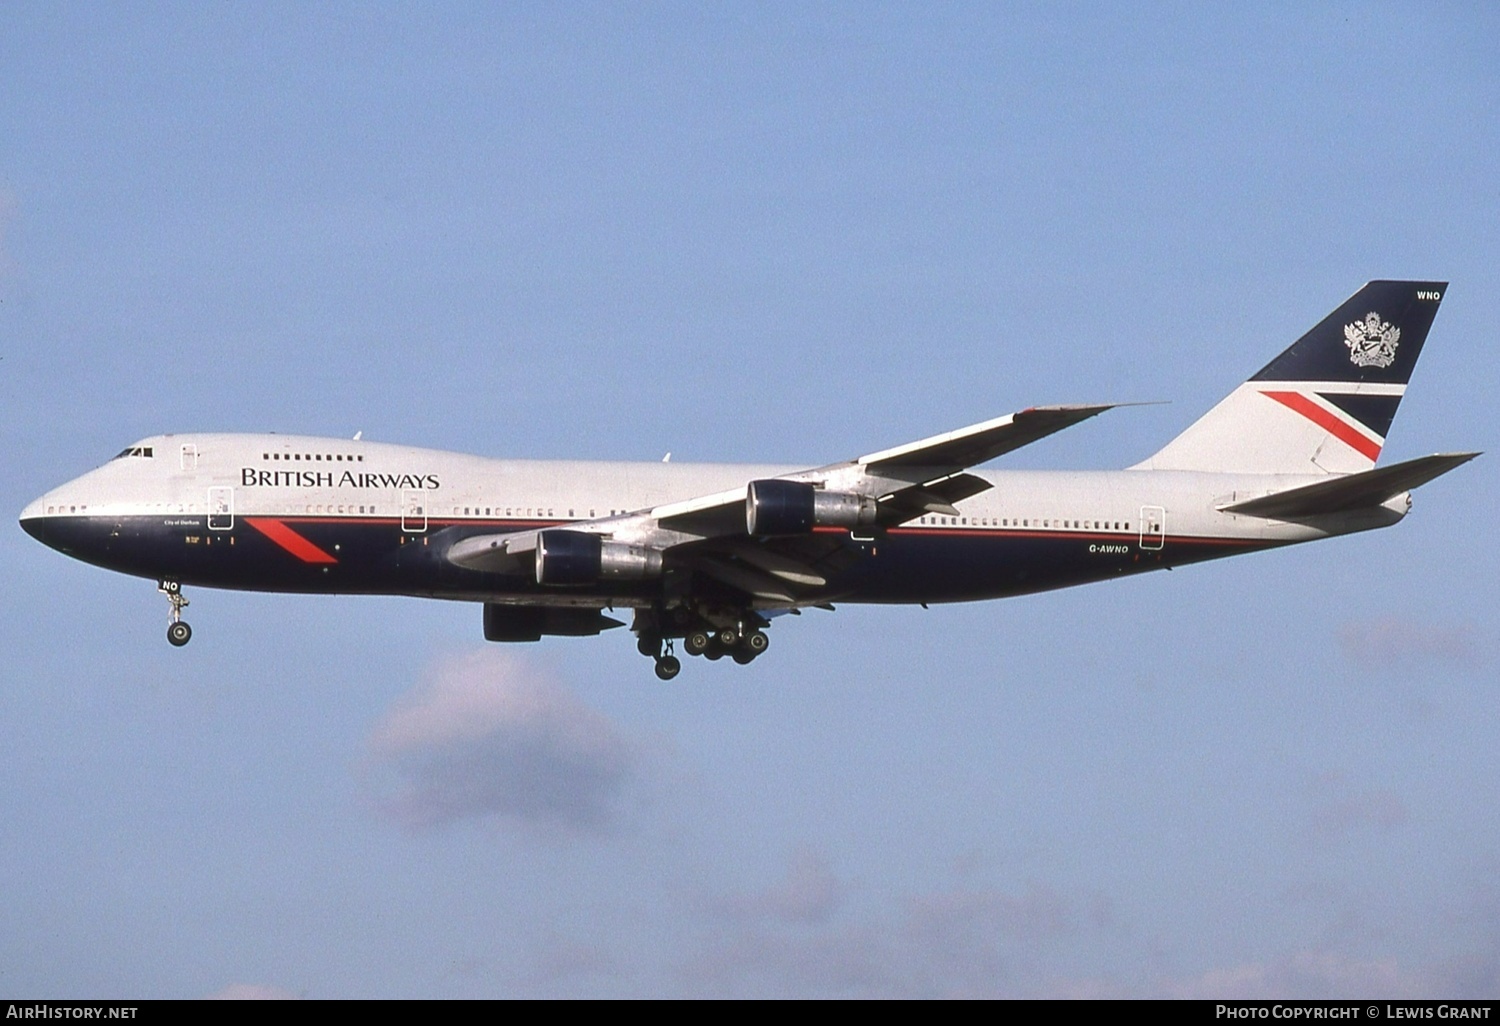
(311, 456)
(136, 450)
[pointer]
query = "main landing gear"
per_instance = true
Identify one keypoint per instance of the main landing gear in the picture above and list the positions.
(738, 642)
(741, 642)
(667, 664)
(178, 631)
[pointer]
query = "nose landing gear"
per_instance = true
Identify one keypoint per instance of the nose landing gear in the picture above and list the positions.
(178, 631)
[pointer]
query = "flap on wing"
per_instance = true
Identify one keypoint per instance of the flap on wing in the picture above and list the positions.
(938, 496)
(979, 443)
(773, 572)
(762, 557)
(1351, 491)
(752, 581)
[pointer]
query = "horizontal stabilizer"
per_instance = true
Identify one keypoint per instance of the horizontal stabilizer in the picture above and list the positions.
(1351, 491)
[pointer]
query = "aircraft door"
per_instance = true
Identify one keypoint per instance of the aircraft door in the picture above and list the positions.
(221, 508)
(1153, 528)
(414, 510)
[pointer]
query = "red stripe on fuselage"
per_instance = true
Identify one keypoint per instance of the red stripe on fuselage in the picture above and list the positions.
(290, 540)
(1300, 403)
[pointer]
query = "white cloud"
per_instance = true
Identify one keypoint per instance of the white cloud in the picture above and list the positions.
(490, 735)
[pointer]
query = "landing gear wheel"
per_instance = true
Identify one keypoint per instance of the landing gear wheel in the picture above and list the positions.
(742, 657)
(668, 667)
(714, 650)
(178, 632)
(756, 642)
(728, 637)
(697, 642)
(649, 645)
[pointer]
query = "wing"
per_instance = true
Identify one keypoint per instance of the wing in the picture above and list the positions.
(710, 535)
(980, 443)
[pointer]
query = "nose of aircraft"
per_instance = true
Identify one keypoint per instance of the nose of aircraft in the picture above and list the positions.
(33, 522)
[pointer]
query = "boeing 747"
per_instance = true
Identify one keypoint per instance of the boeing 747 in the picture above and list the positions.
(707, 555)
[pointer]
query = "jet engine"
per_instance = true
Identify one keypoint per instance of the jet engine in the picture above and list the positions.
(794, 507)
(574, 557)
(529, 623)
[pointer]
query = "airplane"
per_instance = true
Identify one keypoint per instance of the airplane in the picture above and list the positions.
(709, 554)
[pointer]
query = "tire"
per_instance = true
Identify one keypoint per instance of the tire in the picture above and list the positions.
(697, 642)
(668, 667)
(756, 642)
(179, 633)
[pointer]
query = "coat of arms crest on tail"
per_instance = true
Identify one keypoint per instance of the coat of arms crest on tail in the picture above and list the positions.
(1372, 341)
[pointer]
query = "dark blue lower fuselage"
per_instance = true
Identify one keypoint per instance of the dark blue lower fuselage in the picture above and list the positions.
(375, 556)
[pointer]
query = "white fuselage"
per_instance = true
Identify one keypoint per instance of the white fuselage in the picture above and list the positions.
(208, 486)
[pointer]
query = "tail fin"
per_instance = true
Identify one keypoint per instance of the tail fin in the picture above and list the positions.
(1326, 404)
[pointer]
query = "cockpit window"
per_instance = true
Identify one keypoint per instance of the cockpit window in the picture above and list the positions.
(136, 450)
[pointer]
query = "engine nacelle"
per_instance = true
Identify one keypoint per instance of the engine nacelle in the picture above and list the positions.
(795, 507)
(530, 623)
(574, 557)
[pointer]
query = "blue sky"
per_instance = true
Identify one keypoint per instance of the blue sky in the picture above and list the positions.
(777, 233)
